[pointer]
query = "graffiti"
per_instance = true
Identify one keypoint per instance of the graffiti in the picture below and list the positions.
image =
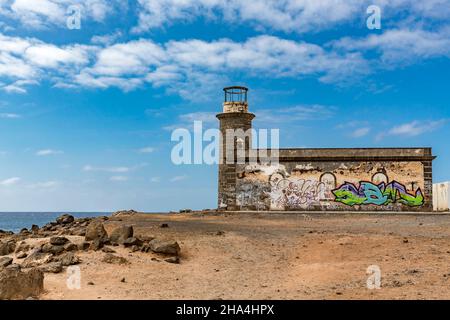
(381, 194)
(253, 195)
(294, 194)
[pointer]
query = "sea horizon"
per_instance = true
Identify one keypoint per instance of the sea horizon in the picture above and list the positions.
(16, 221)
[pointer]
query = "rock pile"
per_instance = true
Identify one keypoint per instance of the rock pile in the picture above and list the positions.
(22, 277)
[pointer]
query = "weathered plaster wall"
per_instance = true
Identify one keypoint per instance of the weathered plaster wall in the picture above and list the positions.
(334, 185)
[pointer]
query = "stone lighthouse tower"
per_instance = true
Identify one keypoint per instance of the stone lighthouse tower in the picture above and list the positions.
(235, 116)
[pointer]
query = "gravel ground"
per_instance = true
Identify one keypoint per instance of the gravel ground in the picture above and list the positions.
(274, 256)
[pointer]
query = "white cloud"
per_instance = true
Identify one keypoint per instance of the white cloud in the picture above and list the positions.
(146, 150)
(48, 152)
(118, 178)
(25, 62)
(106, 39)
(288, 15)
(10, 115)
(295, 113)
(187, 64)
(178, 178)
(401, 46)
(9, 182)
(360, 132)
(44, 185)
(41, 14)
(413, 128)
(207, 117)
(416, 128)
(107, 169)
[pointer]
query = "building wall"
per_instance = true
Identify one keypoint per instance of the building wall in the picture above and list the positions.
(441, 199)
(388, 185)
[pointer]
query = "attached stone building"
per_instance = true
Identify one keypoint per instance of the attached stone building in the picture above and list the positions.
(360, 179)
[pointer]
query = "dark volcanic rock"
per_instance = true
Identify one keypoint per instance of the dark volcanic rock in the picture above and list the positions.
(65, 219)
(70, 247)
(15, 284)
(133, 241)
(58, 241)
(50, 248)
(7, 247)
(34, 228)
(120, 234)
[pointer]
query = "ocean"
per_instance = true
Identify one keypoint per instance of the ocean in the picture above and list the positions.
(15, 221)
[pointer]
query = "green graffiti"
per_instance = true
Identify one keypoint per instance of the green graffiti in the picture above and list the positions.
(382, 194)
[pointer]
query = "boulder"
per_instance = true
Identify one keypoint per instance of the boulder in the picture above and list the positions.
(84, 246)
(5, 261)
(165, 247)
(36, 258)
(17, 284)
(70, 247)
(65, 219)
(120, 234)
(110, 258)
(34, 228)
(67, 259)
(52, 267)
(95, 231)
(96, 245)
(23, 246)
(53, 249)
(7, 247)
(133, 241)
(58, 241)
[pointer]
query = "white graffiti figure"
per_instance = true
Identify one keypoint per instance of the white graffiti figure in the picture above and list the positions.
(297, 194)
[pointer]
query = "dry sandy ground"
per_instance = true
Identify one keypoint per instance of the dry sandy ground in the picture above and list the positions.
(274, 256)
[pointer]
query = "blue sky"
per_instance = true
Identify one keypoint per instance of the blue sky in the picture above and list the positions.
(86, 114)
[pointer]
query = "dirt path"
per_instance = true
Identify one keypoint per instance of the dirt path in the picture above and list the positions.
(274, 256)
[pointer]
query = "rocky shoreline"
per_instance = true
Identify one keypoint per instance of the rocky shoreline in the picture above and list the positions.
(26, 256)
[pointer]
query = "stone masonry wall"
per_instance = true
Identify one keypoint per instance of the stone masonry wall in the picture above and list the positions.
(393, 182)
